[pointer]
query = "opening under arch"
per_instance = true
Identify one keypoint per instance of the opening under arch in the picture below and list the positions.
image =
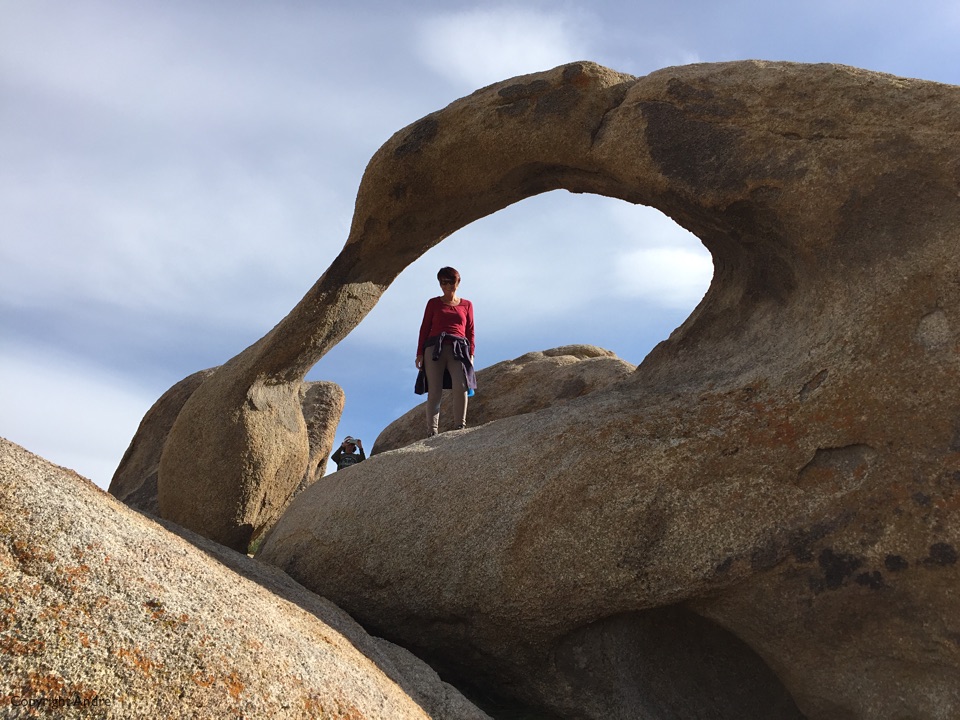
(553, 269)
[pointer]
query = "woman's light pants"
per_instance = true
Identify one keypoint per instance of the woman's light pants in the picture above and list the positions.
(434, 370)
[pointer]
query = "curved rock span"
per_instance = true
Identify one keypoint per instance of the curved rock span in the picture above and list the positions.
(783, 470)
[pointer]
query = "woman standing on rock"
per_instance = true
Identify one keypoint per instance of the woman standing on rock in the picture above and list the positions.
(445, 351)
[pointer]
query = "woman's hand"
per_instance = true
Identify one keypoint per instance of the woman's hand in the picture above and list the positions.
(419, 362)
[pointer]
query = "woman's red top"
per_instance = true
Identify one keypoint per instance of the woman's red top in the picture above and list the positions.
(439, 317)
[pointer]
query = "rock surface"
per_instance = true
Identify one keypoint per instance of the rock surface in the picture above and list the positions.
(786, 466)
(515, 387)
(322, 407)
(135, 480)
(107, 609)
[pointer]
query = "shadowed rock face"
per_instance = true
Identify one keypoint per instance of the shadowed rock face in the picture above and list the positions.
(785, 465)
(514, 387)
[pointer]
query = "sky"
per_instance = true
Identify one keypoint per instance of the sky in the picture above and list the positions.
(174, 177)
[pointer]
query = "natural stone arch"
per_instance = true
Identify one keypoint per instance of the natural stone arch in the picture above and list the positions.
(784, 464)
(579, 127)
(792, 446)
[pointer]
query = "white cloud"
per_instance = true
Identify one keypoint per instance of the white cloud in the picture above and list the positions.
(183, 67)
(67, 412)
(186, 160)
(241, 243)
(480, 46)
(674, 278)
(657, 260)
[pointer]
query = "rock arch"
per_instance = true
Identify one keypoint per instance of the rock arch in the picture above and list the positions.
(580, 127)
(785, 461)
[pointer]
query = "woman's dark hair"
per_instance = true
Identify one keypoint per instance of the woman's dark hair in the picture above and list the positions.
(448, 273)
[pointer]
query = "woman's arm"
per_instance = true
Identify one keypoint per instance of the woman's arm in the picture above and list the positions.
(424, 330)
(469, 333)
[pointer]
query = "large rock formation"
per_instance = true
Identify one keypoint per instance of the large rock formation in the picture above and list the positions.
(514, 387)
(104, 613)
(784, 469)
(135, 479)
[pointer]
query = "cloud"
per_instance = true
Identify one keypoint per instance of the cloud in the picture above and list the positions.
(476, 47)
(243, 244)
(658, 261)
(198, 161)
(153, 163)
(191, 67)
(69, 413)
(674, 278)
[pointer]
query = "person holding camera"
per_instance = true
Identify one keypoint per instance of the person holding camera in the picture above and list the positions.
(445, 351)
(347, 455)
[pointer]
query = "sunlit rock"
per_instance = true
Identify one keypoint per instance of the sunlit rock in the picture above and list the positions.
(515, 387)
(106, 613)
(135, 480)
